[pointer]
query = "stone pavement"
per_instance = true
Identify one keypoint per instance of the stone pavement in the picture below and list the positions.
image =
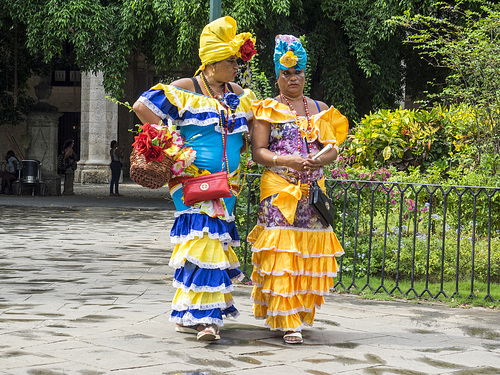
(86, 289)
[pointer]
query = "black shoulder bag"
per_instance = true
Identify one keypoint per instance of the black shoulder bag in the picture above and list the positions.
(320, 202)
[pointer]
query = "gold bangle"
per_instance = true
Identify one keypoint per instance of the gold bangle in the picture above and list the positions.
(275, 160)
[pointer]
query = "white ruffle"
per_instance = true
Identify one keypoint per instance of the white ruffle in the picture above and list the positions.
(225, 238)
(288, 312)
(291, 312)
(186, 304)
(297, 252)
(211, 266)
(203, 289)
(157, 111)
(294, 229)
(189, 320)
(294, 293)
(293, 273)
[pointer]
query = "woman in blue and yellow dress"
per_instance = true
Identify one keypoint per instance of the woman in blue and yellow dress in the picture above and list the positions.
(205, 232)
(293, 252)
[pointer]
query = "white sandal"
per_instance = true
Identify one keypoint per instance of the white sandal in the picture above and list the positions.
(289, 335)
(211, 333)
(188, 329)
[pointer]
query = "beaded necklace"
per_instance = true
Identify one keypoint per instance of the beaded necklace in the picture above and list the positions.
(217, 97)
(299, 134)
(224, 134)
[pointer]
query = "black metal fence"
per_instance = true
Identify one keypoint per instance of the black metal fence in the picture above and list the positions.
(417, 240)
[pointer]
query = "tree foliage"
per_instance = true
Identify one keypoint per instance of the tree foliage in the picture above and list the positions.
(355, 57)
(465, 41)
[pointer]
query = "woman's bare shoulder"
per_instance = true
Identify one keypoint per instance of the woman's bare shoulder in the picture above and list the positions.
(184, 83)
(237, 89)
(322, 106)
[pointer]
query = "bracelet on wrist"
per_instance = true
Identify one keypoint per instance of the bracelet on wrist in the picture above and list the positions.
(275, 160)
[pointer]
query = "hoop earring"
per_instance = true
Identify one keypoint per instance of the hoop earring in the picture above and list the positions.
(276, 85)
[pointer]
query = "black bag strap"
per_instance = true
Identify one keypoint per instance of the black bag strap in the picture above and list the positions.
(197, 88)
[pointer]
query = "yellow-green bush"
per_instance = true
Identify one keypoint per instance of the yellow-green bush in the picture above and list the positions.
(406, 138)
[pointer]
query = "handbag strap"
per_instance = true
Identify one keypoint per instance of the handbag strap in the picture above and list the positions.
(307, 145)
(224, 143)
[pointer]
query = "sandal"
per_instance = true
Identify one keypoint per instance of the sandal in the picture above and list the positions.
(189, 329)
(290, 337)
(210, 333)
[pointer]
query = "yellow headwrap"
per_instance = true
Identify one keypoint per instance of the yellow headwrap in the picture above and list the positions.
(218, 41)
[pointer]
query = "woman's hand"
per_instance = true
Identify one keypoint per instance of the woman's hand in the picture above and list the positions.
(296, 162)
(325, 159)
(312, 164)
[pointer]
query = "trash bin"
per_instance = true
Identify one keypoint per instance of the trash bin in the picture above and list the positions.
(31, 173)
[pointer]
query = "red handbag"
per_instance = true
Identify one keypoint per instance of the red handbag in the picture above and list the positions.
(205, 188)
(211, 186)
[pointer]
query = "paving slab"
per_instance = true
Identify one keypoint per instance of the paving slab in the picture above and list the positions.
(86, 289)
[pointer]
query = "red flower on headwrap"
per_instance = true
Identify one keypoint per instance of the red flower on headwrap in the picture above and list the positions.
(247, 50)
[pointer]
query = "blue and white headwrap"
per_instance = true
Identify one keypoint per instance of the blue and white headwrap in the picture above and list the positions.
(288, 53)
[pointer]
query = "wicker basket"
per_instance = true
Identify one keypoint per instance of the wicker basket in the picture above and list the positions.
(152, 175)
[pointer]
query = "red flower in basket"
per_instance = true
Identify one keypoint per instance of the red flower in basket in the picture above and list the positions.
(149, 131)
(148, 145)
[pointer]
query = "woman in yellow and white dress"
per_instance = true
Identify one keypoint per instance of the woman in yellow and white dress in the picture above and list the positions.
(293, 252)
(212, 113)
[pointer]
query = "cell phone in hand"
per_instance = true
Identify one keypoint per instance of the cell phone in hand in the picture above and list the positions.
(325, 149)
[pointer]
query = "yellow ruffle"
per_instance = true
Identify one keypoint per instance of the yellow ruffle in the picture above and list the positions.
(201, 300)
(279, 263)
(184, 100)
(272, 111)
(279, 305)
(292, 285)
(329, 126)
(204, 252)
(302, 242)
(286, 313)
(288, 322)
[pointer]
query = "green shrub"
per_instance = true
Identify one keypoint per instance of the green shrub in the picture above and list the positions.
(405, 138)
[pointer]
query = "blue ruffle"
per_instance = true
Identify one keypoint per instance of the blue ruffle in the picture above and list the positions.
(187, 224)
(199, 279)
(234, 273)
(231, 311)
(202, 316)
(195, 316)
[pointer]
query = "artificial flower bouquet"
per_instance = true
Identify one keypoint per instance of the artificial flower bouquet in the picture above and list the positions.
(159, 152)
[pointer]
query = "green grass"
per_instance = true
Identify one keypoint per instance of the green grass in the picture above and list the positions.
(463, 299)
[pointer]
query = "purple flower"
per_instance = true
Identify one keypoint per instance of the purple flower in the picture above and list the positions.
(231, 100)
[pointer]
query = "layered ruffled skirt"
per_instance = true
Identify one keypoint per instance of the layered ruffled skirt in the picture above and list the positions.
(205, 267)
(294, 266)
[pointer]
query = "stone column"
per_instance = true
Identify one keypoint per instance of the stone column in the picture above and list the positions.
(99, 126)
(42, 128)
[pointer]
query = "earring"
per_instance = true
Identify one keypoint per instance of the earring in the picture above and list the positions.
(213, 70)
(276, 84)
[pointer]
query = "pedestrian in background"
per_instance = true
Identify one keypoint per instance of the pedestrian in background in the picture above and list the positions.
(67, 164)
(11, 173)
(116, 154)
